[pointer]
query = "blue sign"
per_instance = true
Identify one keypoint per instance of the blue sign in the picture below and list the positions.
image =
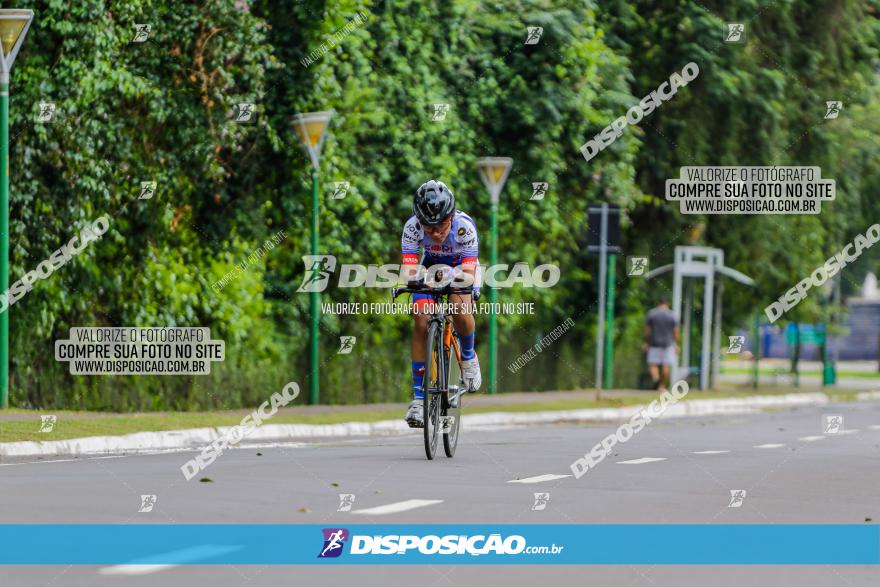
(618, 544)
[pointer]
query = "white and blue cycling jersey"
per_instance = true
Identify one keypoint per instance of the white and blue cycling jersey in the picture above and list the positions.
(461, 245)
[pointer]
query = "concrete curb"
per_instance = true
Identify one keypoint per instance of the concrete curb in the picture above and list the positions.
(868, 396)
(197, 438)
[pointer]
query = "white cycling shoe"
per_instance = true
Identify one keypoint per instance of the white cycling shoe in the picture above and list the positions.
(415, 414)
(470, 373)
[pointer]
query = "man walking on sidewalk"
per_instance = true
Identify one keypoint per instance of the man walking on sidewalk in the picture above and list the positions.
(661, 343)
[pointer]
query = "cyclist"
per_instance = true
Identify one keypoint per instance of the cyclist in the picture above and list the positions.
(448, 237)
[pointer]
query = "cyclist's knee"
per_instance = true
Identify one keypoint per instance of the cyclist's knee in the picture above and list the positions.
(421, 323)
(461, 305)
(464, 323)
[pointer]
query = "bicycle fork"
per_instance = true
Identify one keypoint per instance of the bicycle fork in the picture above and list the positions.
(449, 340)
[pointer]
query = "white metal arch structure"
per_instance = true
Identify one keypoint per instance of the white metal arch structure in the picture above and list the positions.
(701, 263)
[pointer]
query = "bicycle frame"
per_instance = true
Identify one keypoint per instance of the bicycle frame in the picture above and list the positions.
(449, 345)
(449, 341)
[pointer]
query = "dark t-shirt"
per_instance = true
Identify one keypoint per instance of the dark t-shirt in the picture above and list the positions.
(662, 323)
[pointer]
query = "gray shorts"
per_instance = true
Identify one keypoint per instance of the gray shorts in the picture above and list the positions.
(659, 355)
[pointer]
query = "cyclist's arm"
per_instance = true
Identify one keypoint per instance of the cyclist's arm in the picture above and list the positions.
(470, 269)
(470, 249)
(409, 251)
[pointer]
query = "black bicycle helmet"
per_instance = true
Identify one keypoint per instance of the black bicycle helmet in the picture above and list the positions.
(433, 203)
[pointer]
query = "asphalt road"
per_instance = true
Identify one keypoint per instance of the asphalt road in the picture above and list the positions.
(791, 473)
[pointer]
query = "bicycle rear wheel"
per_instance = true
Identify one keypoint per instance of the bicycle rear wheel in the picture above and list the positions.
(452, 409)
(431, 386)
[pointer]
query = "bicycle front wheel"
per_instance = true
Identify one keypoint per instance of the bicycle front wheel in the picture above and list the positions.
(431, 386)
(451, 408)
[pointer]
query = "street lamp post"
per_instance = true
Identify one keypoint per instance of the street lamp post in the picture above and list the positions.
(494, 171)
(14, 25)
(310, 127)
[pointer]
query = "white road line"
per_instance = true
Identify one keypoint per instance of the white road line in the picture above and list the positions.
(134, 569)
(811, 438)
(38, 462)
(768, 446)
(874, 426)
(62, 460)
(539, 478)
(147, 565)
(849, 431)
(397, 507)
(710, 452)
(641, 461)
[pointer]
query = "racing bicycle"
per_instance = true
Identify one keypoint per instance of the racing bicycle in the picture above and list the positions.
(443, 385)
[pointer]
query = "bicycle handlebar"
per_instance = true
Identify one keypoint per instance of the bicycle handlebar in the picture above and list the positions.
(437, 291)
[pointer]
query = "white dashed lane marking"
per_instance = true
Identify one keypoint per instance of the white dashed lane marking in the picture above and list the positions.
(710, 452)
(810, 438)
(768, 446)
(39, 462)
(62, 460)
(539, 478)
(641, 461)
(397, 507)
(150, 564)
(133, 569)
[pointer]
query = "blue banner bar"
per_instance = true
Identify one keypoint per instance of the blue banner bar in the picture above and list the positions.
(111, 544)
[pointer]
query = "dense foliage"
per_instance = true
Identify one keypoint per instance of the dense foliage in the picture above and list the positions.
(162, 110)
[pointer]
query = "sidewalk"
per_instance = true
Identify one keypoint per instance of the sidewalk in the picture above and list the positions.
(27, 425)
(90, 434)
(867, 367)
(786, 378)
(476, 400)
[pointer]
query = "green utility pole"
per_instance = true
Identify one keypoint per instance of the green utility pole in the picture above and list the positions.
(310, 127)
(493, 298)
(493, 172)
(604, 238)
(314, 304)
(4, 237)
(829, 377)
(609, 324)
(14, 25)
